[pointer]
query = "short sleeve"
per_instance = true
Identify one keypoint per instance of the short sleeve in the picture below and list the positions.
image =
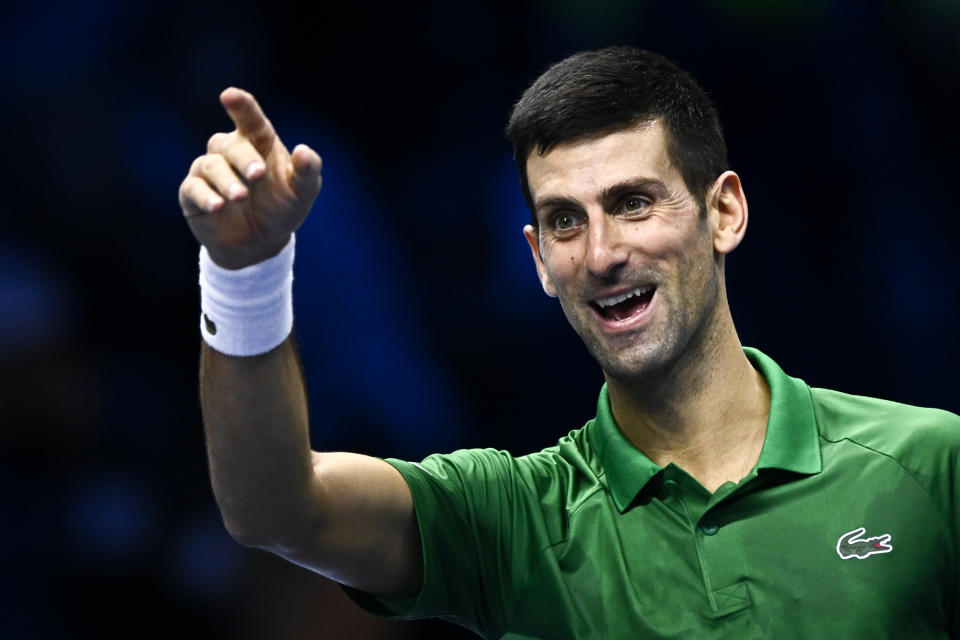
(482, 529)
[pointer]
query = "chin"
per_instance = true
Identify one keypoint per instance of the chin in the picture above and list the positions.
(637, 364)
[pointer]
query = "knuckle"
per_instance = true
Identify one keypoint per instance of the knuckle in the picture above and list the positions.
(216, 142)
(241, 150)
(189, 192)
(210, 162)
(191, 187)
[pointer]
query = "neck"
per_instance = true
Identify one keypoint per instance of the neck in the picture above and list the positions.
(707, 414)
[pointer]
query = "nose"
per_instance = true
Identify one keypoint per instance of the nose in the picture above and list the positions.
(606, 251)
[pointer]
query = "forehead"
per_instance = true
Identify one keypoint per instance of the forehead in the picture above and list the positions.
(582, 168)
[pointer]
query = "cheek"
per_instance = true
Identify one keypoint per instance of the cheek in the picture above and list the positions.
(658, 235)
(560, 261)
(691, 254)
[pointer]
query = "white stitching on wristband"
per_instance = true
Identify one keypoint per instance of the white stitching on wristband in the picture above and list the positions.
(248, 311)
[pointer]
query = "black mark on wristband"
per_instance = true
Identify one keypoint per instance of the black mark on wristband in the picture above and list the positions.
(211, 326)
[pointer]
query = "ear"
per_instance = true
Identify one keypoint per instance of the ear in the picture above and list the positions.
(533, 239)
(728, 212)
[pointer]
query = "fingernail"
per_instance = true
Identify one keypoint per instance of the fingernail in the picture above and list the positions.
(213, 202)
(236, 191)
(254, 169)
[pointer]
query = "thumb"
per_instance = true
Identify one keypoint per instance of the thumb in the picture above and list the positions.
(305, 174)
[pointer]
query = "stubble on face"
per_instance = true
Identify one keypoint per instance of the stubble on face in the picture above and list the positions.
(687, 293)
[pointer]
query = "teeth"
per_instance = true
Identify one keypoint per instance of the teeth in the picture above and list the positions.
(607, 302)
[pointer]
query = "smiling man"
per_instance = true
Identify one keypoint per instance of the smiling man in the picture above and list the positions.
(711, 496)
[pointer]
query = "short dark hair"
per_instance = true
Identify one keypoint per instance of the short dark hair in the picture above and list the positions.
(596, 92)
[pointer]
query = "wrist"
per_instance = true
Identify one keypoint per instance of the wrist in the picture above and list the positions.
(234, 261)
(247, 311)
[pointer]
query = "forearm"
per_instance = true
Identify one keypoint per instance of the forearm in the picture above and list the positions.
(255, 417)
(343, 515)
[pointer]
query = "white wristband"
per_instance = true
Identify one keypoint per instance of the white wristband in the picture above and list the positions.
(248, 311)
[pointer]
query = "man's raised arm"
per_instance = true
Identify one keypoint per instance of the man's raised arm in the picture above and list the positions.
(347, 516)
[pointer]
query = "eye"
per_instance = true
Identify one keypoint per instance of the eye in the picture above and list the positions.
(563, 222)
(634, 204)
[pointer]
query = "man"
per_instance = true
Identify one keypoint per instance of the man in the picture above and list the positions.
(712, 496)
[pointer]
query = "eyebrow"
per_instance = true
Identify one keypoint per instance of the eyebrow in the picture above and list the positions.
(610, 194)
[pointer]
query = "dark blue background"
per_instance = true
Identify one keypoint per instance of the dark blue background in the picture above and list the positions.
(422, 324)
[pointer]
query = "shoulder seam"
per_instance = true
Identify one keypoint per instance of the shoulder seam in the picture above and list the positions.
(943, 518)
(577, 506)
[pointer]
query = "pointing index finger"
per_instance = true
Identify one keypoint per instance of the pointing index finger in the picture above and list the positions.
(251, 122)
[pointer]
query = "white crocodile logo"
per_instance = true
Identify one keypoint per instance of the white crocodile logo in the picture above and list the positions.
(851, 545)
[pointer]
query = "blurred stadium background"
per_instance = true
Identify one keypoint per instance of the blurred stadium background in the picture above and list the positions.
(422, 325)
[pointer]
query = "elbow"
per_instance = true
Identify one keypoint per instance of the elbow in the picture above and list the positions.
(269, 522)
(244, 535)
(279, 540)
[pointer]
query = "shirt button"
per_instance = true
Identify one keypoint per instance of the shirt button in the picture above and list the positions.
(670, 486)
(709, 527)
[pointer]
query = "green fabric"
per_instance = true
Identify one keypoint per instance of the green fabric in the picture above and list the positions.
(591, 539)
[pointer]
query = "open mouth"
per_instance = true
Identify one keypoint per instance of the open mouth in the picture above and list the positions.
(626, 305)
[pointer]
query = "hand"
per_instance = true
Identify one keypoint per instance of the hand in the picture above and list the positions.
(247, 194)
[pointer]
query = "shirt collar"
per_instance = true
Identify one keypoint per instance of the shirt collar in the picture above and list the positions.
(791, 442)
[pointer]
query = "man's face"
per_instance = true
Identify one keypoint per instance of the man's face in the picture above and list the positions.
(623, 246)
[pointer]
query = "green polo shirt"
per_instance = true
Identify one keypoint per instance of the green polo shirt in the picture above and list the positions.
(848, 527)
